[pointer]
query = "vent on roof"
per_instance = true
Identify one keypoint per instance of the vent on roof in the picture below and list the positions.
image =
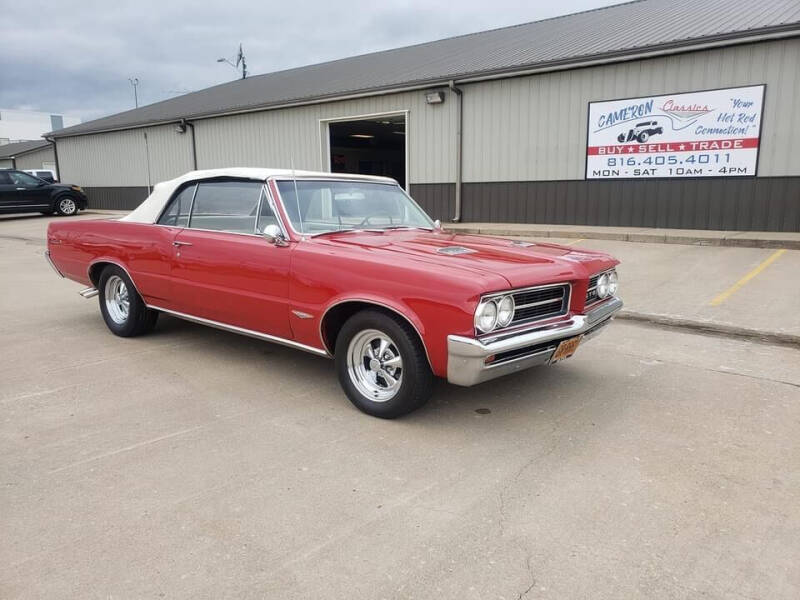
(455, 250)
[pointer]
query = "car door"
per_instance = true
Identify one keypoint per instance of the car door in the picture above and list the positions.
(8, 192)
(31, 192)
(223, 270)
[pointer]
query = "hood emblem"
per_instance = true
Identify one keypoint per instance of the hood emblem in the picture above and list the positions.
(455, 250)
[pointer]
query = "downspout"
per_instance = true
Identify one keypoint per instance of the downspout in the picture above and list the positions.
(13, 162)
(55, 155)
(190, 125)
(459, 148)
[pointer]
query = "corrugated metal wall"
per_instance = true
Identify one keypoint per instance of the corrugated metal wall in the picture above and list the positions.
(264, 139)
(36, 160)
(528, 133)
(534, 128)
(276, 138)
(119, 159)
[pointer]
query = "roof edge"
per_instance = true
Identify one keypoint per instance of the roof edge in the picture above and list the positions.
(691, 45)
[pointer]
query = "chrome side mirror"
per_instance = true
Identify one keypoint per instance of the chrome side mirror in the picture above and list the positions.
(273, 234)
(437, 224)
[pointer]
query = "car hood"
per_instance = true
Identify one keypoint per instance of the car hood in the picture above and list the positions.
(520, 263)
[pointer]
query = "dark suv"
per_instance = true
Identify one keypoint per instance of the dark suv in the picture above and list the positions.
(21, 192)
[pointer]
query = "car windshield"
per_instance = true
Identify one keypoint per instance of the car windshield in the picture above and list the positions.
(323, 206)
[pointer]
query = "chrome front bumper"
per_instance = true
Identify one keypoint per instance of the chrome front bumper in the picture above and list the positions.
(466, 357)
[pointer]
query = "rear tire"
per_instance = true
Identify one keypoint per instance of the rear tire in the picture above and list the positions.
(123, 310)
(66, 206)
(382, 366)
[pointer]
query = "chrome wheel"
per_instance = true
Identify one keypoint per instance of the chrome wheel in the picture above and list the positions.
(67, 206)
(375, 365)
(118, 304)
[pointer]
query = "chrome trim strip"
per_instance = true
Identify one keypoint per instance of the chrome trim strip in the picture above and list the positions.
(242, 331)
(540, 303)
(112, 262)
(51, 263)
(523, 290)
(397, 312)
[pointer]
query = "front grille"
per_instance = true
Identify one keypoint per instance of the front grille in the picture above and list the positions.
(591, 293)
(535, 304)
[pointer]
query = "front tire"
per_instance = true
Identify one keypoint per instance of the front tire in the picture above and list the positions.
(123, 310)
(382, 366)
(66, 206)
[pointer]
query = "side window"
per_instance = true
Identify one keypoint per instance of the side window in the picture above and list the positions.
(267, 215)
(226, 206)
(20, 178)
(177, 214)
(4, 178)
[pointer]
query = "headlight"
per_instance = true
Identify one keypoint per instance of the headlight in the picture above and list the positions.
(613, 283)
(505, 311)
(602, 286)
(486, 316)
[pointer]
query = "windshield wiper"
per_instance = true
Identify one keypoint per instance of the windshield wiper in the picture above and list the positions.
(407, 227)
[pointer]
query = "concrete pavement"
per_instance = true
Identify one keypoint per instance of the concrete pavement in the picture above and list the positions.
(193, 463)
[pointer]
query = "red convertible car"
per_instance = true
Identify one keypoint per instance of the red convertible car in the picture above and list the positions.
(346, 266)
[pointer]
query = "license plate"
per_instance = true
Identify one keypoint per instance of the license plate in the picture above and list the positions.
(566, 349)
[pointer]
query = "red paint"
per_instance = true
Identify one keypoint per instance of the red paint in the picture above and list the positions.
(243, 280)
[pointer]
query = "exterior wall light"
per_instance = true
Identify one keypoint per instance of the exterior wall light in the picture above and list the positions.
(434, 97)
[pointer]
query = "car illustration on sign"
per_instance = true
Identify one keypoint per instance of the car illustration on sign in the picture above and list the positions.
(641, 132)
(342, 266)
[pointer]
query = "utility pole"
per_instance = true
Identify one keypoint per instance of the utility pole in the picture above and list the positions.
(135, 83)
(240, 60)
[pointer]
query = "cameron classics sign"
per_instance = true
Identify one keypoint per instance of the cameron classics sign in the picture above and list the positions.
(715, 133)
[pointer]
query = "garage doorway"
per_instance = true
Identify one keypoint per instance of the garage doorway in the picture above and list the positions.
(373, 145)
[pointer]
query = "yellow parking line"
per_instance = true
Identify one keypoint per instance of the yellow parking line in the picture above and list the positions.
(741, 283)
(576, 241)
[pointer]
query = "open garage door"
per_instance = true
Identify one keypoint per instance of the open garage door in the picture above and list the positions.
(369, 146)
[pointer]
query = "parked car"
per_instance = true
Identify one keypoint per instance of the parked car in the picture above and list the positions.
(641, 132)
(344, 266)
(47, 175)
(21, 192)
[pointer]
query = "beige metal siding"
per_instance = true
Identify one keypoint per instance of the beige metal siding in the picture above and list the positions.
(263, 139)
(534, 128)
(36, 160)
(279, 138)
(119, 159)
(5, 163)
(522, 129)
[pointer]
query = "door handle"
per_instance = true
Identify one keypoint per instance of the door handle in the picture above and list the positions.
(21, 189)
(178, 244)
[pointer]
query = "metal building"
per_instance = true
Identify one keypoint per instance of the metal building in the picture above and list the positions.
(503, 125)
(37, 154)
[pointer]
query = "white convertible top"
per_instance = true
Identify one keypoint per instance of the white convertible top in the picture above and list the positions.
(149, 210)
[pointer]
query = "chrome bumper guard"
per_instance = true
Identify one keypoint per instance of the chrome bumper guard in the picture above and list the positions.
(466, 360)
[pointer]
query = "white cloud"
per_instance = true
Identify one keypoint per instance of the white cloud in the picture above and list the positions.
(76, 57)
